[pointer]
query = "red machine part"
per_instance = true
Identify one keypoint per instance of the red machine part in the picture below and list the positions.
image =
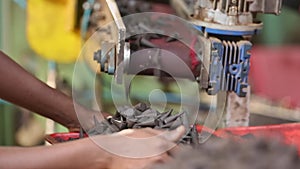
(288, 133)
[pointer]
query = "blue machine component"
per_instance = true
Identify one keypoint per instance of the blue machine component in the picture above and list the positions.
(230, 61)
(228, 24)
(230, 64)
(227, 32)
(86, 17)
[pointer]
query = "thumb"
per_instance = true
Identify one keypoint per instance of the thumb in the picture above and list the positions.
(174, 135)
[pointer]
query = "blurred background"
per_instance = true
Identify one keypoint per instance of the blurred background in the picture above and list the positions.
(275, 71)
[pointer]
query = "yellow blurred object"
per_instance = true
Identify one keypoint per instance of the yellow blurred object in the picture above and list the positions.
(51, 29)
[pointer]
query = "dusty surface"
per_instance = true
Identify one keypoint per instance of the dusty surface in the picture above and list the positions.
(225, 154)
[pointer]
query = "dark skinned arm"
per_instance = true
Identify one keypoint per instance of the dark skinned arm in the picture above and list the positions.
(21, 88)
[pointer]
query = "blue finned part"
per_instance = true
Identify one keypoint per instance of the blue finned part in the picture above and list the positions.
(230, 61)
(21, 3)
(244, 52)
(234, 69)
(230, 65)
(86, 19)
(226, 32)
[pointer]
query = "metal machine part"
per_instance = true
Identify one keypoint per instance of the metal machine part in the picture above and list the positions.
(139, 36)
(234, 12)
(229, 69)
(226, 28)
(104, 12)
(229, 25)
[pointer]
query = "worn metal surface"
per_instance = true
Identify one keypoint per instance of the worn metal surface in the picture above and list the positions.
(237, 110)
(234, 12)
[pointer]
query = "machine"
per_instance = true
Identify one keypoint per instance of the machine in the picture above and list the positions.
(221, 62)
(228, 25)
